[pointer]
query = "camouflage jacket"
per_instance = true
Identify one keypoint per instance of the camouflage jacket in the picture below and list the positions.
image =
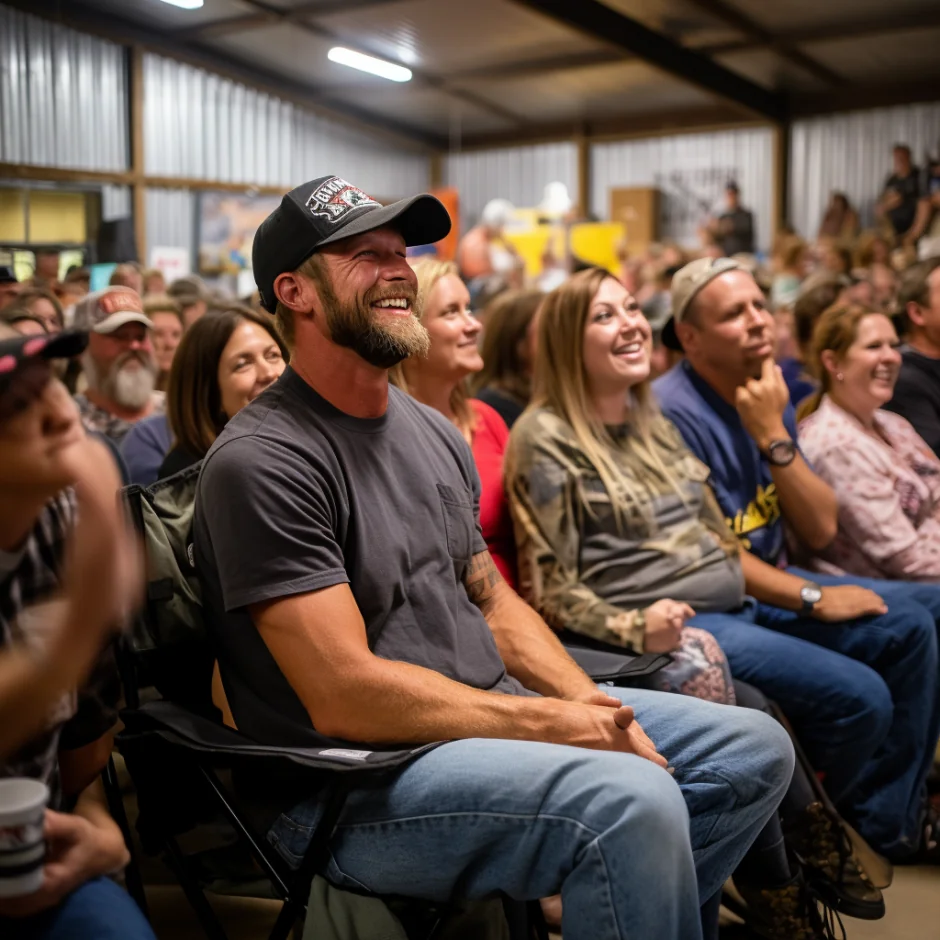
(584, 571)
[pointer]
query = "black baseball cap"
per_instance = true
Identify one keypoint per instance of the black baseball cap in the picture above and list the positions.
(327, 210)
(7, 275)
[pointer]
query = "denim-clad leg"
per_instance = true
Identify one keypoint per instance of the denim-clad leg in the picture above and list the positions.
(886, 804)
(633, 850)
(98, 910)
(840, 709)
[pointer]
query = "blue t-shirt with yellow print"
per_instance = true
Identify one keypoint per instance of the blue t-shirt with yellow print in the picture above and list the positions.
(740, 475)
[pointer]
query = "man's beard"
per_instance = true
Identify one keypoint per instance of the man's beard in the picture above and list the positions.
(353, 324)
(129, 388)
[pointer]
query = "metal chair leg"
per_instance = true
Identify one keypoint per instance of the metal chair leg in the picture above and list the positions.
(132, 877)
(314, 861)
(194, 894)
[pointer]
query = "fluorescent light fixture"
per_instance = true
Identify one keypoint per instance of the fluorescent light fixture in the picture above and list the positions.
(366, 63)
(185, 4)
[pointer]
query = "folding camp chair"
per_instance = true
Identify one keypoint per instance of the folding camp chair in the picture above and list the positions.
(189, 768)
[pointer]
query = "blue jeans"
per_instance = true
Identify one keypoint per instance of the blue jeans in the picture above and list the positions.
(840, 709)
(98, 910)
(888, 799)
(633, 851)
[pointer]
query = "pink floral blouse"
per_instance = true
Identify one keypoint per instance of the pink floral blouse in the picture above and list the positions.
(888, 491)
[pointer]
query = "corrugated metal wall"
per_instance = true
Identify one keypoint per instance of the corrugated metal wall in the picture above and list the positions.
(198, 125)
(116, 203)
(321, 146)
(171, 219)
(518, 174)
(201, 126)
(852, 153)
(63, 96)
(691, 171)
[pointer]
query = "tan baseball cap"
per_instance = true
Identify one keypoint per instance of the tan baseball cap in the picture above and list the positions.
(687, 282)
(108, 310)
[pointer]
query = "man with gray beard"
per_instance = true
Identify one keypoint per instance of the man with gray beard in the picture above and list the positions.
(118, 364)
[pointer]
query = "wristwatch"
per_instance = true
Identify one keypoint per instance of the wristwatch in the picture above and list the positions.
(781, 453)
(810, 595)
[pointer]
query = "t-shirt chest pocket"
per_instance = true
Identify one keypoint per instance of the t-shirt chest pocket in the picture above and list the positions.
(457, 509)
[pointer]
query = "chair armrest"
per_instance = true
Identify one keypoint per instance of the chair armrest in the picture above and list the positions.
(612, 665)
(194, 732)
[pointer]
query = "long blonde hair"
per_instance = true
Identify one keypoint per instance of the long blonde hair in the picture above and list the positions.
(561, 385)
(429, 272)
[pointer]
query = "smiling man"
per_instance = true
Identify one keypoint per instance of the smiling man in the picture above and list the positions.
(351, 597)
(119, 364)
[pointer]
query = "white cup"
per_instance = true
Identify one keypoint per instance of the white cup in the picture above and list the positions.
(22, 847)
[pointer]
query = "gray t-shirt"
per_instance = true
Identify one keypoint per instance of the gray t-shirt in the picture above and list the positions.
(296, 496)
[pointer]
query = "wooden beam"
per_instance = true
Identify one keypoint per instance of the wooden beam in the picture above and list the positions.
(855, 29)
(863, 97)
(928, 18)
(732, 16)
(138, 189)
(180, 182)
(52, 174)
(618, 128)
(603, 23)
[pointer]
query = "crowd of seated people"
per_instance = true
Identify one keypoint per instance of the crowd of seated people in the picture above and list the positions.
(438, 481)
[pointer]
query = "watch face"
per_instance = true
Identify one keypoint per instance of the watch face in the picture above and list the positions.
(810, 594)
(782, 452)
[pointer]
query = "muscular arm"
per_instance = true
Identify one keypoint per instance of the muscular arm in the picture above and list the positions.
(529, 648)
(319, 642)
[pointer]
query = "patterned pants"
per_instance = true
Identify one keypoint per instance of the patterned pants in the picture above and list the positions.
(698, 668)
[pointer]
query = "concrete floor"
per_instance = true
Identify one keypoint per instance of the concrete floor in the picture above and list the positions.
(913, 903)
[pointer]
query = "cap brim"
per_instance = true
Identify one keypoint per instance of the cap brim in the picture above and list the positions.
(117, 320)
(422, 220)
(669, 338)
(61, 346)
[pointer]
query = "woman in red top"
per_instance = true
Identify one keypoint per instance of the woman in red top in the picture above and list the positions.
(439, 381)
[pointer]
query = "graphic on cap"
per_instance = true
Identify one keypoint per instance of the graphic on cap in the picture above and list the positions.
(335, 198)
(120, 301)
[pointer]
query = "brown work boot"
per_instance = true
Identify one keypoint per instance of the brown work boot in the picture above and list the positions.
(831, 868)
(786, 913)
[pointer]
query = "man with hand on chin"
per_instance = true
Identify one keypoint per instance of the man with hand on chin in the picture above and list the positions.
(730, 403)
(352, 598)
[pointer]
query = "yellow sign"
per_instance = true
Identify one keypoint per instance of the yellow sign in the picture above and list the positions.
(593, 242)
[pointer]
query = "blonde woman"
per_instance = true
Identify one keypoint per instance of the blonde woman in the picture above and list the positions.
(439, 380)
(594, 486)
(620, 539)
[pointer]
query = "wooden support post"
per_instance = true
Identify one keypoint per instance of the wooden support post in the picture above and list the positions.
(437, 169)
(584, 173)
(138, 186)
(781, 176)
